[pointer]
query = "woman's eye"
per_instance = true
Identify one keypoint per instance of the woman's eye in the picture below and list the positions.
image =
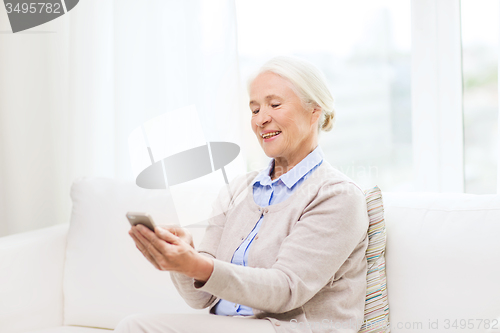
(275, 105)
(255, 111)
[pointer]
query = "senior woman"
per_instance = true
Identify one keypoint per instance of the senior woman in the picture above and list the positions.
(287, 251)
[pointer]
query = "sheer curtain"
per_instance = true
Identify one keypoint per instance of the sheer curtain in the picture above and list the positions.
(72, 90)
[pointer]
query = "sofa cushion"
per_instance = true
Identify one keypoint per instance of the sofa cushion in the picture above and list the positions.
(442, 259)
(106, 277)
(376, 318)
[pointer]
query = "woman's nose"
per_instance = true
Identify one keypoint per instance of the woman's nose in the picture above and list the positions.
(262, 119)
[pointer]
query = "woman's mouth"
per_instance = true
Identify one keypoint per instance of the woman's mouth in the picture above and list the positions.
(270, 136)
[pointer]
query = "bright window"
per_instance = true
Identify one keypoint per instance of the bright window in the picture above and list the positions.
(363, 47)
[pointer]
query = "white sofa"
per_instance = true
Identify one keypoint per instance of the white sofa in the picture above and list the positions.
(443, 264)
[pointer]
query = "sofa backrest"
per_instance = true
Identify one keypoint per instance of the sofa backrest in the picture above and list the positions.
(443, 261)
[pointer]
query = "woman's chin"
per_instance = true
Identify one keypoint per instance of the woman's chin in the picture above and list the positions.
(271, 149)
(271, 153)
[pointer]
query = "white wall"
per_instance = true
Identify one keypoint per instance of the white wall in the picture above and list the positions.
(70, 98)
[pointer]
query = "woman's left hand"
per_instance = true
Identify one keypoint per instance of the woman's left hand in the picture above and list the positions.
(167, 252)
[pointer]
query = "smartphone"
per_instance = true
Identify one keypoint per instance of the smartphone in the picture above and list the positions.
(141, 218)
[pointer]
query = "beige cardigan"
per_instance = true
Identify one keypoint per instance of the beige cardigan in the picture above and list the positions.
(306, 267)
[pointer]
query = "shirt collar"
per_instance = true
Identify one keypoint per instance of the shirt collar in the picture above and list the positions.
(295, 174)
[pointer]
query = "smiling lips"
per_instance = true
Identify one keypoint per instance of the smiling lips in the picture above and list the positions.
(269, 135)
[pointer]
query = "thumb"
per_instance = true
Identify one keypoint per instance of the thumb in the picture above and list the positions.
(175, 229)
(167, 236)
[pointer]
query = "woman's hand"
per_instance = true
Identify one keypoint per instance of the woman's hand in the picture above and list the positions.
(182, 233)
(168, 252)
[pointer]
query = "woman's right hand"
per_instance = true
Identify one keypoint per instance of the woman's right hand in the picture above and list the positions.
(171, 248)
(180, 232)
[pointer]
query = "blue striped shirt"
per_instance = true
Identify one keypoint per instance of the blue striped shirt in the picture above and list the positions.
(268, 192)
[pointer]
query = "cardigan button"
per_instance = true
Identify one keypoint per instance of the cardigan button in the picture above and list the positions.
(257, 237)
(277, 323)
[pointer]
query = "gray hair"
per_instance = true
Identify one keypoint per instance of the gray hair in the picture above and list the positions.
(308, 82)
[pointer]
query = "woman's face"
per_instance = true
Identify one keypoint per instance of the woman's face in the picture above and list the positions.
(284, 128)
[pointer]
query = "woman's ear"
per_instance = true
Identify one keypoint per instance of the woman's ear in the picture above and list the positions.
(316, 113)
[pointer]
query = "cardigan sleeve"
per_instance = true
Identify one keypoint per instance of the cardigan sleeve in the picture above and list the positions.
(184, 284)
(330, 228)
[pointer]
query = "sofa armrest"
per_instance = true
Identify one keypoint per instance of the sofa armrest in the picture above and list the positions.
(31, 275)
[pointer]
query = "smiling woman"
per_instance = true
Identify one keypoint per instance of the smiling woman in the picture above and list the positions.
(289, 242)
(287, 98)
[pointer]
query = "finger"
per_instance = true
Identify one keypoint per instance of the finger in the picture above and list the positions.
(137, 241)
(145, 235)
(140, 246)
(162, 246)
(145, 231)
(159, 250)
(143, 247)
(155, 247)
(159, 257)
(140, 236)
(149, 237)
(167, 236)
(175, 229)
